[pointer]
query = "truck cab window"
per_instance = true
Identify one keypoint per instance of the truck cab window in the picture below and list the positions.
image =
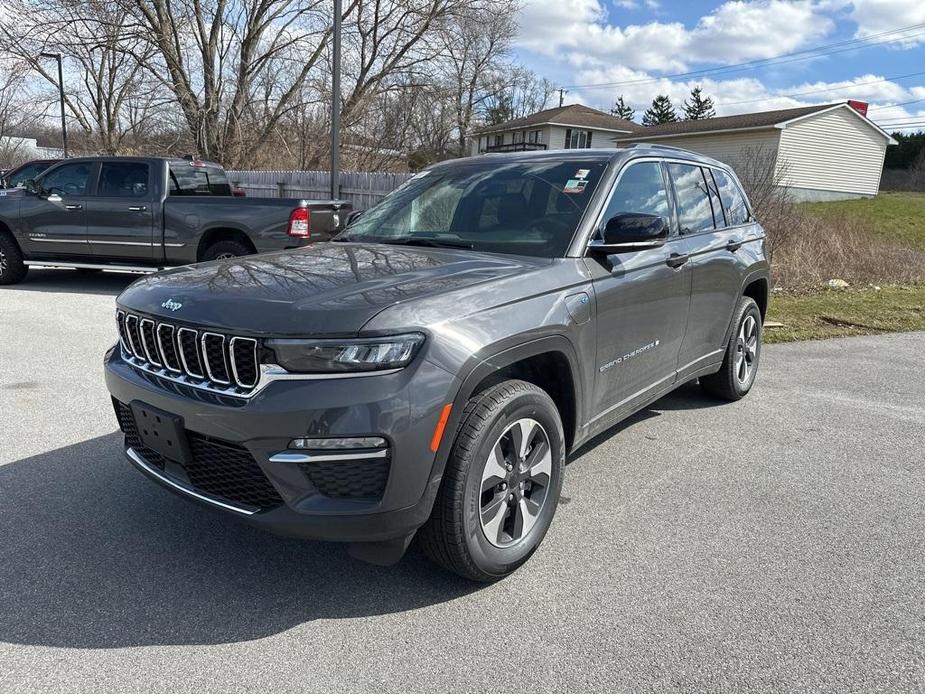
(69, 179)
(694, 210)
(123, 180)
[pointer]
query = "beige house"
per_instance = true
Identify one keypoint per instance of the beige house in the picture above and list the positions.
(825, 152)
(566, 127)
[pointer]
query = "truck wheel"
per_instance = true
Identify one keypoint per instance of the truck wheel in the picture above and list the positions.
(740, 364)
(12, 267)
(221, 250)
(501, 485)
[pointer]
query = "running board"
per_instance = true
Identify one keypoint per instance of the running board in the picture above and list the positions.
(91, 266)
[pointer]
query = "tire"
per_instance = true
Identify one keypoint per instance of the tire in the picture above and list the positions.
(743, 353)
(12, 267)
(477, 485)
(228, 248)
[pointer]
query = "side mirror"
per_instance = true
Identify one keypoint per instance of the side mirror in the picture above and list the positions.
(632, 231)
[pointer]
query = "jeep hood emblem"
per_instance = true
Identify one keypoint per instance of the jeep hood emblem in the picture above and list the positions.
(172, 305)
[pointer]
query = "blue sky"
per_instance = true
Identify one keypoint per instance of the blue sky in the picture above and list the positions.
(600, 49)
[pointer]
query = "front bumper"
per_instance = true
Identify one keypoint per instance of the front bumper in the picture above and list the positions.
(403, 407)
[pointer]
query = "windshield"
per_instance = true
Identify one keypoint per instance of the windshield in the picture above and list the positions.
(523, 208)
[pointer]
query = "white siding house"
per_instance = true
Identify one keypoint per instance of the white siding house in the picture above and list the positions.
(827, 152)
(566, 127)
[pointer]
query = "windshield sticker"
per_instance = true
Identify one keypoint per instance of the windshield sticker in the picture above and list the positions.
(574, 185)
(582, 173)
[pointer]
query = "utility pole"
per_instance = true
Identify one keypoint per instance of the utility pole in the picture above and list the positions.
(562, 93)
(335, 104)
(57, 56)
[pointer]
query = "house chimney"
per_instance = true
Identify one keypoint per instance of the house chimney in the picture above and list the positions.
(859, 106)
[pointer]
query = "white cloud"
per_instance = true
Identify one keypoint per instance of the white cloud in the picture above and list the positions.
(735, 31)
(747, 94)
(877, 16)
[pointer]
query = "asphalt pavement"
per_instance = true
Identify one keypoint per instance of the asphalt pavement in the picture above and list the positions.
(775, 544)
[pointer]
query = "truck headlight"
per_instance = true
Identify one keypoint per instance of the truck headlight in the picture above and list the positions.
(334, 356)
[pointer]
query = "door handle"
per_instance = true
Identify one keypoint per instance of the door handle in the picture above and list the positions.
(73, 207)
(677, 259)
(138, 208)
(733, 245)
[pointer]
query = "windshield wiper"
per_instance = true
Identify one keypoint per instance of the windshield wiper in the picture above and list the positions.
(432, 243)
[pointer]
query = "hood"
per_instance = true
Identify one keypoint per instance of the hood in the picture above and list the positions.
(323, 289)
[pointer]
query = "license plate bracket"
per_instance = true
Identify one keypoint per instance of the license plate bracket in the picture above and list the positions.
(161, 431)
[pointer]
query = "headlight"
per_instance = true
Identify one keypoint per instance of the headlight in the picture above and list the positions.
(333, 356)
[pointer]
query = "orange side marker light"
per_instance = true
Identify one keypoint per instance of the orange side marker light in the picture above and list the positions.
(441, 425)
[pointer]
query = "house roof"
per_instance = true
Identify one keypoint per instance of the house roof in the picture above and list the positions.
(572, 115)
(744, 121)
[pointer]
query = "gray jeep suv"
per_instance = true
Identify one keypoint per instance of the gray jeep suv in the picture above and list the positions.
(428, 370)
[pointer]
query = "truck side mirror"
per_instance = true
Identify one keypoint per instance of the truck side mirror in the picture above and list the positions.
(632, 231)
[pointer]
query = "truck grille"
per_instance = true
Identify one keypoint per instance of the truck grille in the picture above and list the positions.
(215, 361)
(218, 468)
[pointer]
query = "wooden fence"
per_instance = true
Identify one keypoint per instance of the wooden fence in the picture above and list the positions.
(363, 189)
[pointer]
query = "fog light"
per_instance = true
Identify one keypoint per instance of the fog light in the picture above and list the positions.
(347, 442)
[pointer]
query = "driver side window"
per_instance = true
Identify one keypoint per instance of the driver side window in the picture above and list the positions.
(641, 190)
(69, 179)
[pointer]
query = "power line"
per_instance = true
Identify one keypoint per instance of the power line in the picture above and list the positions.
(805, 54)
(903, 103)
(819, 91)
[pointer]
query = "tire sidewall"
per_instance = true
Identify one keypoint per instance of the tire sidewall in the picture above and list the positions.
(748, 308)
(502, 560)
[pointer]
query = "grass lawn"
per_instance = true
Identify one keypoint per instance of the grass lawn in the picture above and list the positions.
(835, 313)
(898, 217)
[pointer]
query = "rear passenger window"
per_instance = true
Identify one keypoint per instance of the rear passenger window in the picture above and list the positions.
(123, 180)
(694, 210)
(719, 219)
(733, 200)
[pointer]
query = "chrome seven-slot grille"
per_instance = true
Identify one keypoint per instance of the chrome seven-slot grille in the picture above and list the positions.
(219, 362)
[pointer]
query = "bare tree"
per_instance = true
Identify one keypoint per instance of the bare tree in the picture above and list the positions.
(104, 78)
(515, 93)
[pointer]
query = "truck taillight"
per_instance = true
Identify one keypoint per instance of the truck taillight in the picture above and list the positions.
(300, 223)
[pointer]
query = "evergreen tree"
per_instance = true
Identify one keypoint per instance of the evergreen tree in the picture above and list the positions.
(621, 110)
(700, 107)
(661, 111)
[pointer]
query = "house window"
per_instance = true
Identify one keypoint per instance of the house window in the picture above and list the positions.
(499, 140)
(577, 139)
(535, 136)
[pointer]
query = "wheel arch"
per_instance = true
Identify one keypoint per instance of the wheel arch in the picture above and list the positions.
(550, 363)
(223, 233)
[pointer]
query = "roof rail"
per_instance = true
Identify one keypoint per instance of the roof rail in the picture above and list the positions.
(652, 145)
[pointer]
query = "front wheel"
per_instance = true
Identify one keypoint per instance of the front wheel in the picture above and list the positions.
(12, 267)
(501, 485)
(740, 363)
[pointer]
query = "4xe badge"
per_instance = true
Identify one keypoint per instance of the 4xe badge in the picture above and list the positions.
(172, 305)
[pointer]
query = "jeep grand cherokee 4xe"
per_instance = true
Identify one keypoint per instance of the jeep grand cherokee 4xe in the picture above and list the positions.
(428, 370)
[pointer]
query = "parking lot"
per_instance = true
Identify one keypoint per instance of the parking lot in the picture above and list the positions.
(773, 544)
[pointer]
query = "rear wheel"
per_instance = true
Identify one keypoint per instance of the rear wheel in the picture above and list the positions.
(222, 250)
(12, 267)
(740, 363)
(501, 485)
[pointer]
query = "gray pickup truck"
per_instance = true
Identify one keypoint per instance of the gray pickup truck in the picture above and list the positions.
(428, 370)
(144, 213)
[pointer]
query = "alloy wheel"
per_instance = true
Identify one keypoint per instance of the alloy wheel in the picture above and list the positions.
(2, 261)
(515, 483)
(746, 349)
